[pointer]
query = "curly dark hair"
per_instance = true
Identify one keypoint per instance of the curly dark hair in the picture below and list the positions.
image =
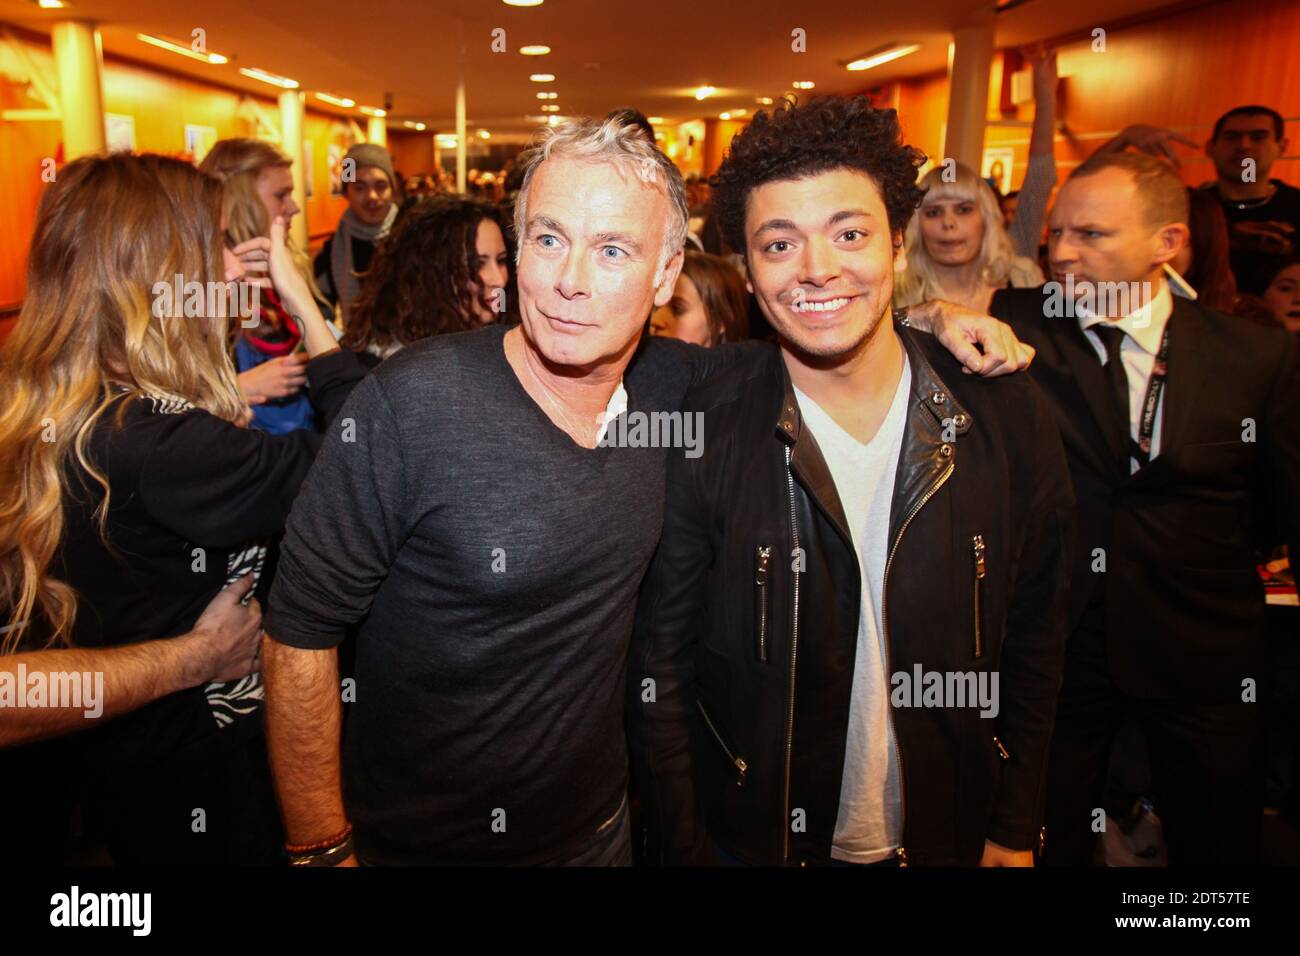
(423, 278)
(795, 141)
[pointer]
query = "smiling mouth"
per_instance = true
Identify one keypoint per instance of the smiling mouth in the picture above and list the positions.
(823, 305)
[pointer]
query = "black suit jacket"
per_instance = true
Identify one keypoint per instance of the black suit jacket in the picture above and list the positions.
(1184, 606)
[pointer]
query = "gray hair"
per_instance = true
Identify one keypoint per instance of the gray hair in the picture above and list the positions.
(609, 141)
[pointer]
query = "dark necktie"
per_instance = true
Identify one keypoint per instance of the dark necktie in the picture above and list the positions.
(1112, 338)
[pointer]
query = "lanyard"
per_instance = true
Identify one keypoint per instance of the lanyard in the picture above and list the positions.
(1141, 449)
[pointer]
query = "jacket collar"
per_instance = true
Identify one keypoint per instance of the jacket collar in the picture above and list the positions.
(934, 420)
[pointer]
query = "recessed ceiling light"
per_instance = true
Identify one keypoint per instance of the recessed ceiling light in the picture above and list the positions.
(372, 111)
(894, 52)
(523, 3)
(803, 84)
(656, 120)
(484, 134)
(764, 101)
(174, 46)
(342, 101)
(548, 96)
(536, 49)
(704, 92)
(724, 116)
(51, 4)
(275, 79)
(416, 126)
(550, 109)
(542, 77)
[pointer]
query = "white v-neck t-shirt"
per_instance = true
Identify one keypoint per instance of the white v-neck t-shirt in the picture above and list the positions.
(868, 827)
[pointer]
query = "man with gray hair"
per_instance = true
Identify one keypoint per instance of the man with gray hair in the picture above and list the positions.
(467, 514)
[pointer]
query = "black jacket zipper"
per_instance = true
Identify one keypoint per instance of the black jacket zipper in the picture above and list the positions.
(762, 563)
(742, 768)
(978, 554)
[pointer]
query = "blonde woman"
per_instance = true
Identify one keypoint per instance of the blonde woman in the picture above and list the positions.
(957, 248)
(130, 496)
(257, 187)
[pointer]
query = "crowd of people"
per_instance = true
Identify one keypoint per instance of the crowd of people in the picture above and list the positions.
(495, 634)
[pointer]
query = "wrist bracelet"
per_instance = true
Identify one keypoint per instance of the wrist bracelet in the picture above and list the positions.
(331, 856)
(300, 848)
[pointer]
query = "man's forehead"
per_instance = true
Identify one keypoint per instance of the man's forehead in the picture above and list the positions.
(807, 198)
(1248, 123)
(594, 196)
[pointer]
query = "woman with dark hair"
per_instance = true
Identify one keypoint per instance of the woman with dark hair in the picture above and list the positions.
(444, 267)
(709, 305)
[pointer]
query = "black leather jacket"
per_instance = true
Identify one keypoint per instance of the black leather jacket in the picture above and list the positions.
(742, 661)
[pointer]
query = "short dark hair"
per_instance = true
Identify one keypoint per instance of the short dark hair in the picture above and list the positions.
(1272, 114)
(1159, 187)
(796, 141)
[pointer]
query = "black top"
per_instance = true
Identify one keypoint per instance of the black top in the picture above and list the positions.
(1253, 268)
(363, 251)
(193, 500)
(498, 564)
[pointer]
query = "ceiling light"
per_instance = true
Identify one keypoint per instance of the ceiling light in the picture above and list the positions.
(542, 77)
(724, 116)
(894, 52)
(484, 134)
(523, 3)
(371, 111)
(550, 109)
(764, 101)
(274, 79)
(803, 84)
(445, 140)
(342, 101)
(410, 125)
(553, 121)
(537, 49)
(704, 92)
(548, 96)
(656, 120)
(52, 5)
(184, 49)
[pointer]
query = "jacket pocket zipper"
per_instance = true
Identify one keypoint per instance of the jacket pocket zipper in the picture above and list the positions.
(978, 553)
(742, 768)
(762, 564)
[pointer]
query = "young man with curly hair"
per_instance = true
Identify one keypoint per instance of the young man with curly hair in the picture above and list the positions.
(849, 643)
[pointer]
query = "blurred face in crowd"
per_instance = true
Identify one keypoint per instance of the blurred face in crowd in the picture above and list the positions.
(684, 317)
(952, 230)
(1009, 204)
(822, 260)
(1100, 231)
(590, 260)
(1283, 297)
(1243, 138)
(275, 187)
(370, 195)
(491, 267)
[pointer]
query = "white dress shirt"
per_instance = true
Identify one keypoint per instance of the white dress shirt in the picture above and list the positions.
(1144, 327)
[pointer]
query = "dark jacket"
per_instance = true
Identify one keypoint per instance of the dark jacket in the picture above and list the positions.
(1184, 605)
(747, 715)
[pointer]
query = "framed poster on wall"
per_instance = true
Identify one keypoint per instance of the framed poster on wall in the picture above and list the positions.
(119, 132)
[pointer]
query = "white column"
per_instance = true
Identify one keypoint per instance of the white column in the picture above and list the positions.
(968, 94)
(291, 124)
(81, 91)
(377, 131)
(460, 109)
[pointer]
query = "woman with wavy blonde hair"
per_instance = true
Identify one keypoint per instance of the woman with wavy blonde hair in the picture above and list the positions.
(957, 247)
(130, 495)
(257, 186)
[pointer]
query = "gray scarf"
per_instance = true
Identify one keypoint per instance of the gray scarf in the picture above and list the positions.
(341, 268)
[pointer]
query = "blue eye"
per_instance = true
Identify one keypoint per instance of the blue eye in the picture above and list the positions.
(543, 241)
(618, 253)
